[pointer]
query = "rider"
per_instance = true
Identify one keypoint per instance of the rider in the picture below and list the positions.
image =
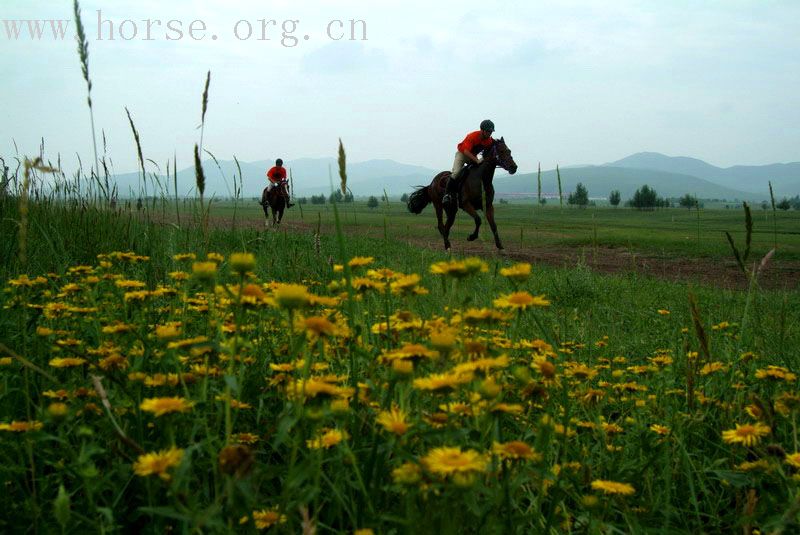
(468, 150)
(276, 175)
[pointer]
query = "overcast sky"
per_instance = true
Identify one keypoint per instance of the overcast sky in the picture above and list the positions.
(567, 82)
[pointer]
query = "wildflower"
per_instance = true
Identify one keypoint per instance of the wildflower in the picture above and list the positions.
(515, 450)
(6, 361)
(67, 362)
(787, 403)
(793, 459)
(178, 275)
(712, 367)
(439, 382)
(458, 269)
(517, 272)
(25, 281)
(613, 487)
(520, 301)
(544, 367)
(138, 295)
(266, 518)
(659, 429)
(162, 406)
(215, 257)
(184, 256)
(412, 352)
(157, 463)
(291, 296)
(245, 438)
(236, 459)
(328, 439)
(168, 332)
(130, 284)
(407, 474)
(22, 427)
(663, 312)
(443, 339)
(776, 373)
(451, 461)
(204, 271)
(360, 261)
(57, 409)
(407, 284)
(747, 435)
(394, 421)
(241, 263)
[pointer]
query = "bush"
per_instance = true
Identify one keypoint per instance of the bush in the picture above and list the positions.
(404, 198)
(614, 197)
(318, 199)
(372, 202)
(688, 201)
(580, 196)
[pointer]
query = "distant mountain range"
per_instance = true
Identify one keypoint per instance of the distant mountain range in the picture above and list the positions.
(669, 176)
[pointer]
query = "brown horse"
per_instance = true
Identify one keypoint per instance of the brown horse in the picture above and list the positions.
(475, 186)
(275, 198)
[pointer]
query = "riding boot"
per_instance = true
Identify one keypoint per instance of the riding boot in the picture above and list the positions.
(451, 188)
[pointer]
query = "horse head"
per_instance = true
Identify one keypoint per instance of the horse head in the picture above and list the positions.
(501, 154)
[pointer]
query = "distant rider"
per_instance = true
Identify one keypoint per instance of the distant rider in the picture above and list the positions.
(475, 143)
(276, 176)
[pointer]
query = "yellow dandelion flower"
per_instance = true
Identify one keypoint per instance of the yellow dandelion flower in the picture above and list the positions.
(516, 450)
(241, 263)
(328, 439)
(712, 367)
(450, 461)
(613, 487)
(291, 296)
(168, 332)
(793, 459)
(184, 256)
(204, 271)
(520, 301)
(407, 474)
(394, 421)
(360, 261)
(22, 427)
(162, 406)
(776, 373)
(157, 463)
(659, 429)
(266, 518)
(67, 362)
(747, 435)
(517, 272)
(663, 312)
(441, 382)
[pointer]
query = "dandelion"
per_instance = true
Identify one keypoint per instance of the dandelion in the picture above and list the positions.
(663, 312)
(67, 362)
(157, 463)
(57, 409)
(184, 256)
(266, 518)
(204, 271)
(452, 462)
(360, 261)
(328, 439)
(747, 435)
(517, 272)
(776, 373)
(291, 296)
(520, 301)
(22, 427)
(441, 382)
(712, 367)
(241, 263)
(613, 487)
(168, 332)
(394, 421)
(793, 459)
(407, 474)
(515, 450)
(162, 406)
(659, 429)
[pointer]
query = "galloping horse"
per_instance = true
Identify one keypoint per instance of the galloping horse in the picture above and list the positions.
(475, 186)
(275, 198)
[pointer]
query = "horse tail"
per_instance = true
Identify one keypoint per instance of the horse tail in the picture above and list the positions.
(419, 200)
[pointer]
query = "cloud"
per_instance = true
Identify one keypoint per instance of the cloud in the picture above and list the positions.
(343, 58)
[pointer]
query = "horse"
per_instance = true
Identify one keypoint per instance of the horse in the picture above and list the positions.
(275, 198)
(472, 191)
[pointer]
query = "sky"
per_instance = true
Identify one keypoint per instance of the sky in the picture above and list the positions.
(568, 82)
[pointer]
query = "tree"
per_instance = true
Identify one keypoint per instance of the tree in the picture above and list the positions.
(372, 202)
(580, 196)
(784, 204)
(404, 198)
(688, 201)
(302, 200)
(614, 198)
(645, 198)
(318, 199)
(764, 205)
(337, 196)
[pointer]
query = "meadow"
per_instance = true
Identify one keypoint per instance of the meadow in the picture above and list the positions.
(343, 373)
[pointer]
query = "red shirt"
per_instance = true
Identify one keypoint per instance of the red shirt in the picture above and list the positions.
(475, 143)
(276, 174)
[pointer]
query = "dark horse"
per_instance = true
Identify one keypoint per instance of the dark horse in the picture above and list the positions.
(475, 186)
(275, 198)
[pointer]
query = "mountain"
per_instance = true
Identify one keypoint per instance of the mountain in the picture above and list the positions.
(601, 180)
(785, 177)
(310, 176)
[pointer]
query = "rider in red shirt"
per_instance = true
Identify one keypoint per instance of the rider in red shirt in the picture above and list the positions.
(468, 150)
(276, 175)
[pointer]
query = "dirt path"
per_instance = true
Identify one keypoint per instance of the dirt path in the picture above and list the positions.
(778, 274)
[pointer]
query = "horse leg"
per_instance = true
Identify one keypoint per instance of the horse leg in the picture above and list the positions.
(451, 217)
(437, 205)
(493, 225)
(265, 206)
(475, 217)
(280, 216)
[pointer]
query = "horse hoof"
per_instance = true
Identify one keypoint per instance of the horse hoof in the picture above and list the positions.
(471, 238)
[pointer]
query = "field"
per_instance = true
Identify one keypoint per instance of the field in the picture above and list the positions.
(161, 377)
